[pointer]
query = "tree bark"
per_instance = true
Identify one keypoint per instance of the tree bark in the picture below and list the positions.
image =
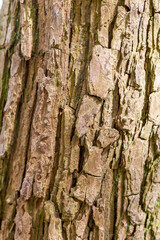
(79, 119)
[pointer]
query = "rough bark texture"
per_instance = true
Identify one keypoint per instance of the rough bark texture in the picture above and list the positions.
(79, 118)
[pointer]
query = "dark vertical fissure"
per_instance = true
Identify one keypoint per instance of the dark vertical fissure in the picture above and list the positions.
(57, 153)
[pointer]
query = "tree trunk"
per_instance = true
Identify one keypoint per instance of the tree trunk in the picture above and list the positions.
(79, 119)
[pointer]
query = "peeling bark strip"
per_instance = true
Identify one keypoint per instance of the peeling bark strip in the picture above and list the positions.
(80, 120)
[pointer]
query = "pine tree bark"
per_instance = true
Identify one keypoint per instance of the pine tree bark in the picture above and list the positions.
(79, 120)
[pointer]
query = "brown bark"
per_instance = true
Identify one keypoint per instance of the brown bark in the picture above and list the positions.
(79, 117)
